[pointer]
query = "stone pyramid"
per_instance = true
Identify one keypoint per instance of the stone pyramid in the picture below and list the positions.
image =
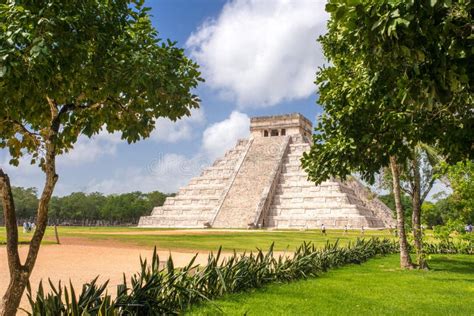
(260, 184)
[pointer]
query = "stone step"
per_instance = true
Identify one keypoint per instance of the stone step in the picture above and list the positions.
(290, 173)
(187, 197)
(294, 161)
(174, 207)
(220, 176)
(201, 187)
(299, 146)
(329, 221)
(326, 208)
(292, 168)
(183, 210)
(296, 155)
(302, 177)
(207, 181)
(194, 200)
(312, 207)
(311, 185)
(256, 173)
(233, 153)
(309, 202)
(171, 221)
(315, 196)
(217, 172)
(297, 152)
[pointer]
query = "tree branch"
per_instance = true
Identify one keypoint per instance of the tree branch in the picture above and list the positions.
(53, 106)
(23, 128)
(407, 190)
(428, 189)
(27, 132)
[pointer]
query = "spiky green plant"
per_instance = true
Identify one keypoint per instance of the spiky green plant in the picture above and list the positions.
(169, 290)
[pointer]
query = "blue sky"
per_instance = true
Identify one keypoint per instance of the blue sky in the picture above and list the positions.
(257, 57)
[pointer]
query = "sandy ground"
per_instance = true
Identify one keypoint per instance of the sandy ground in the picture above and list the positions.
(80, 263)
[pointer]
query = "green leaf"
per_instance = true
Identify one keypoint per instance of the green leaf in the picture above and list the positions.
(330, 7)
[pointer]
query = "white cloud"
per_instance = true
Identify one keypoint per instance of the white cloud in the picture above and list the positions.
(169, 131)
(260, 53)
(88, 150)
(223, 135)
(25, 175)
(166, 173)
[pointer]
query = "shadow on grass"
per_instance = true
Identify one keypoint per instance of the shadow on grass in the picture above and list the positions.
(452, 265)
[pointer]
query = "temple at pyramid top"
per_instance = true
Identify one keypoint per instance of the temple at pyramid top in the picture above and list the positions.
(281, 125)
(260, 184)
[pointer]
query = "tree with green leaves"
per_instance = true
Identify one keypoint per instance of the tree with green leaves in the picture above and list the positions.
(399, 74)
(461, 180)
(388, 199)
(457, 206)
(75, 68)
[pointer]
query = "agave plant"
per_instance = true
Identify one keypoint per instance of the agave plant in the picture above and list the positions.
(93, 300)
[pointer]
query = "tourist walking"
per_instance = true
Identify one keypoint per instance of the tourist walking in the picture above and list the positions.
(468, 228)
(362, 230)
(323, 229)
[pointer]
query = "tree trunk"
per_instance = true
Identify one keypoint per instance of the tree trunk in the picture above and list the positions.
(416, 216)
(12, 297)
(56, 234)
(405, 260)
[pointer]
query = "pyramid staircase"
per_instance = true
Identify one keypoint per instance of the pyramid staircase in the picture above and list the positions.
(240, 206)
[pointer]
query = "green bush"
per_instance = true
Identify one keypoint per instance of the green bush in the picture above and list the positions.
(170, 290)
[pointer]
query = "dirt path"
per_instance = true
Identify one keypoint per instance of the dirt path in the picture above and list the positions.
(81, 260)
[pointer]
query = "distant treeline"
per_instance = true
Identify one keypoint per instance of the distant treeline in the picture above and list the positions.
(88, 208)
(447, 209)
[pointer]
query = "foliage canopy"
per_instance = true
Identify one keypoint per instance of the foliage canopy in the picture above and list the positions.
(399, 74)
(81, 67)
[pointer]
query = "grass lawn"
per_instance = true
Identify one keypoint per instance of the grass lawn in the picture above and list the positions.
(377, 287)
(191, 240)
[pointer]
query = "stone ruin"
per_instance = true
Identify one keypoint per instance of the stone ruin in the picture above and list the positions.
(260, 184)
